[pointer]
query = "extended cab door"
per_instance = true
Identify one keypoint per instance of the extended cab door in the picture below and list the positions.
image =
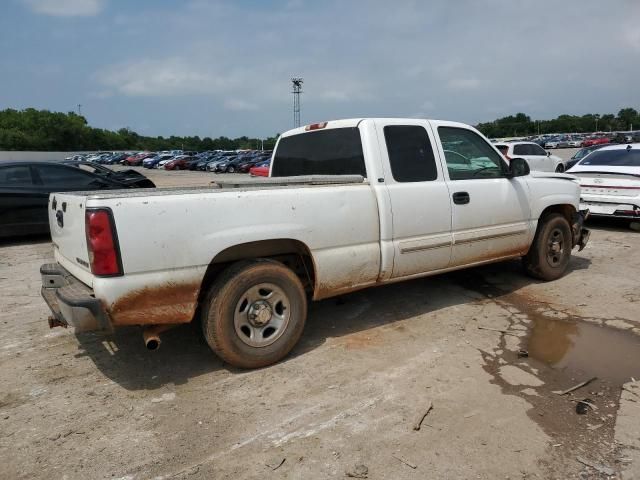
(490, 212)
(420, 199)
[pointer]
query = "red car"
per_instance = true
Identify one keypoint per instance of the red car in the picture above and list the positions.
(588, 142)
(136, 160)
(259, 171)
(179, 163)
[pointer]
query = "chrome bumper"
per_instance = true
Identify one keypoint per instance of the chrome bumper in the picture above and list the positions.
(71, 302)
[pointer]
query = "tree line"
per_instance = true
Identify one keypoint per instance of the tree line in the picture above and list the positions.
(522, 124)
(42, 130)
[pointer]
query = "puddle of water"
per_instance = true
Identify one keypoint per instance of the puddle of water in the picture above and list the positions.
(581, 347)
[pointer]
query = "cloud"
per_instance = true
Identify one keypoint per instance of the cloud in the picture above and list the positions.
(66, 8)
(171, 76)
(239, 105)
(463, 83)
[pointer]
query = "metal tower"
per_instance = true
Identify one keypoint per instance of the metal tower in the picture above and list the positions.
(297, 90)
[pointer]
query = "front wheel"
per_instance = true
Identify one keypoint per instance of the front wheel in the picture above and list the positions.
(560, 168)
(550, 252)
(231, 170)
(254, 313)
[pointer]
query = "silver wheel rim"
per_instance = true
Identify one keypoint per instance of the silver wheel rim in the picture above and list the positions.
(261, 315)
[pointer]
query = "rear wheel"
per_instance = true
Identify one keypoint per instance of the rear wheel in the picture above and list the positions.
(560, 168)
(254, 313)
(231, 169)
(550, 252)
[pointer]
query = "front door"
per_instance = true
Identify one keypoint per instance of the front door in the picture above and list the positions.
(490, 212)
(420, 198)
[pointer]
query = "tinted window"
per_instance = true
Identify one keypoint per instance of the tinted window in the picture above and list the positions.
(537, 150)
(503, 149)
(65, 177)
(520, 150)
(468, 155)
(410, 153)
(324, 152)
(614, 158)
(15, 176)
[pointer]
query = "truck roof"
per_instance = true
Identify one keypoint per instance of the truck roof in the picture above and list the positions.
(354, 122)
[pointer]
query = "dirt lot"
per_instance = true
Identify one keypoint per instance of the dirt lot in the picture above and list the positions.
(370, 364)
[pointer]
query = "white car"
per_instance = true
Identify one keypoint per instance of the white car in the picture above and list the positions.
(351, 204)
(610, 181)
(536, 156)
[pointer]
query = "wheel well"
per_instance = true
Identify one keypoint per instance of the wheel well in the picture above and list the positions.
(293, 253)
(567, 211)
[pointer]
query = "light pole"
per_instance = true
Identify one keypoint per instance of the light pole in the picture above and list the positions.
(79, 109)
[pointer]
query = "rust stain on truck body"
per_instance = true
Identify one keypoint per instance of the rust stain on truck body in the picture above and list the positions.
(169, 303)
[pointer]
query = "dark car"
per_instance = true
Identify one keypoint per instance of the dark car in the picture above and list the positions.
(25, 189)
(132, 178)
(580, 154)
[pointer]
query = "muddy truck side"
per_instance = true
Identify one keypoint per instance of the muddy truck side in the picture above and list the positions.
(349, 204)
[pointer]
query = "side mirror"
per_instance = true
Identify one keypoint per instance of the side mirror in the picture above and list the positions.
(518, 167)
(548, 154)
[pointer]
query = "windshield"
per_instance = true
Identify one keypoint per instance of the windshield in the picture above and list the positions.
(614, 158)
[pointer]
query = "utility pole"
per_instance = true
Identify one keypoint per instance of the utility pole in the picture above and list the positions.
(297, 90)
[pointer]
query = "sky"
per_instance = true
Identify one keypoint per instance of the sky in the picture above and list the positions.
(211, 68)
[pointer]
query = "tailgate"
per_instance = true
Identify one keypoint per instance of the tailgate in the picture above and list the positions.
(66, 220)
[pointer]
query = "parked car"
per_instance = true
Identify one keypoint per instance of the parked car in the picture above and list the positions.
(260, 170)
(152, 162)
(136, 160)
(25, 189)
(181, 162)
(610, 181)
(330, 228)
(580, 154)
(589, 141)
(536, 157)
(131, 178)
(574, 141)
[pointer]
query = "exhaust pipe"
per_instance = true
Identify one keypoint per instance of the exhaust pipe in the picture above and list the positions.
(151, 335)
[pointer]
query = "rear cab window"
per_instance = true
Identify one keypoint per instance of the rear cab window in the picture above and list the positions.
(337, 151)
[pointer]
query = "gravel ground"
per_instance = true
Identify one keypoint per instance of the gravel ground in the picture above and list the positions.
(368, 366)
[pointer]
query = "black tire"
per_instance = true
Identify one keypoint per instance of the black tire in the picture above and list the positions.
(231, 169)
(226, 306)
(560, 168)
(550, 252)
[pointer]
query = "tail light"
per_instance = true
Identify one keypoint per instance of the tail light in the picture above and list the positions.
(102, 243)
(316, 126)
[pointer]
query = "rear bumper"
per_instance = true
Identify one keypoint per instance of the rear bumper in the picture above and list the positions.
(618, 207)
(72, 303)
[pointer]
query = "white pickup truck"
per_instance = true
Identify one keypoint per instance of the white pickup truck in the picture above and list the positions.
(349, 204)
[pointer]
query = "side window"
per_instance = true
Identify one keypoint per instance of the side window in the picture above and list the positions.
(15, 176)
(65, 177)
(468, 156)
(504, 149)
(538, 150)
(521, 149)
(410, 153)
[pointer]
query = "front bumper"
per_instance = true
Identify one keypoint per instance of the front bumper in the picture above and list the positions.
(72, 303)
(580, 234)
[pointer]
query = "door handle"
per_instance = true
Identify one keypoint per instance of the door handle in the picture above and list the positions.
(461, 198)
